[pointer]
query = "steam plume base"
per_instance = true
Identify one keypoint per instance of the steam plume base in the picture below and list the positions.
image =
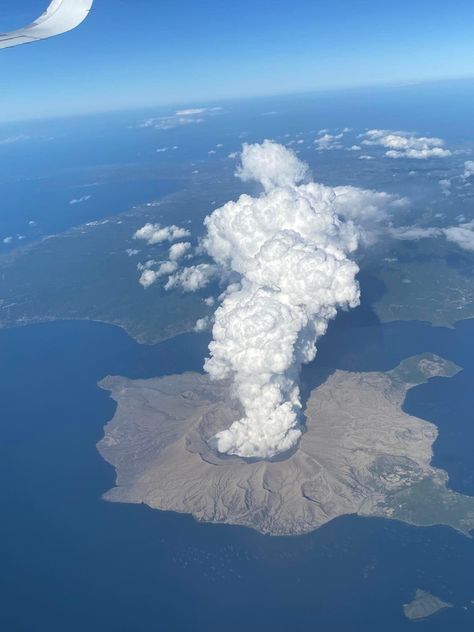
(347, 462)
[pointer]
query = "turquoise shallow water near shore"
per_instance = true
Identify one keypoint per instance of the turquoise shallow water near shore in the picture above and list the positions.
(71, 561)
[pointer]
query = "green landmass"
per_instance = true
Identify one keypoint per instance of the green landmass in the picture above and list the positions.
(85, 273)
(427, 290)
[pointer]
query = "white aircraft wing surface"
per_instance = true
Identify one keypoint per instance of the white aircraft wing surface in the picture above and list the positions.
(61, 16)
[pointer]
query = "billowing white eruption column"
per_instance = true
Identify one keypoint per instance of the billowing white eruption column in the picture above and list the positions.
(288, 250)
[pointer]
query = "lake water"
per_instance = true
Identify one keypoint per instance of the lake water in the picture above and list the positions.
(70, 561)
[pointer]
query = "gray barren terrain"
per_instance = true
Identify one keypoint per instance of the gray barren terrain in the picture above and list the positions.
(424, 605)
(360, 454)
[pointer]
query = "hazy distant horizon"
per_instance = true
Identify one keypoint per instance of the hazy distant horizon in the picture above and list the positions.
(140, 54)
(170, 106)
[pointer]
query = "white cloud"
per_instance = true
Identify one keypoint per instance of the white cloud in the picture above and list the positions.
(189, 116)
(155, 234)
(147, 265)
(149, 276)
(161, 150)
(167, 267)
(271, 164)
(179, 250)
(369, 209)
(190, 112)
(193, 111)
(365, 157)
(290, 249)
(80, 200)
(406, 145)
(192, 278)
(98, 222)
(8, 240)
(328, 141)
(462, 235)
(285, 256)
(11, 140)
(202, 324)
(414, 233)
(468, 169)
(170, 122)
(131, 252)
(445, 185)
(354, 148)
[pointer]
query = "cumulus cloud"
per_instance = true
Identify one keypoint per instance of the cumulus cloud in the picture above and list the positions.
(192, 278)
(80, 200)
(147, 265)
(272, 165)
(468, 169)
(202, 324)
(406, 145)
(328, 141)
(286, 259)
(156, 234)
(370, 210)
(445, 185)
(179, 250)
(287, 253)
(149, 276)
(415, 233)
(462, 235)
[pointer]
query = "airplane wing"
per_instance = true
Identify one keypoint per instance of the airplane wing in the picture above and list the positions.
(61, 16)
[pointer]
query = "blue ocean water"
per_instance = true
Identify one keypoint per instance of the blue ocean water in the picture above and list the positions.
(71, 561)
(112, 158)
(68, 560)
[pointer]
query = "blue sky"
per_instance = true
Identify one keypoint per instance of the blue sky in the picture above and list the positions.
(134, 53)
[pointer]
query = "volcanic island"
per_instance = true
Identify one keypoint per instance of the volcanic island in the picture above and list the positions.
(360, 454)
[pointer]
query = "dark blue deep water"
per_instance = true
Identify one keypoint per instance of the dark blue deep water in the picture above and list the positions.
(71, 562)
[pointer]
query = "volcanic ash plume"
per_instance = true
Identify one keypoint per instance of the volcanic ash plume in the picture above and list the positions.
(288, 250)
